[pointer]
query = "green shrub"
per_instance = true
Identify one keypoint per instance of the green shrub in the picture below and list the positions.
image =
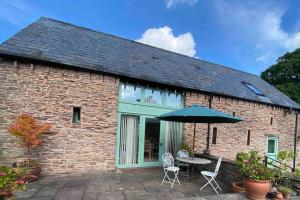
(11, 180)
(250, 166)
(285, 190)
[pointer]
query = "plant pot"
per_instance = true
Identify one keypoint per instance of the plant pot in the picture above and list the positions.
(6, 195)
(279, 195)
(298, 192)
(237, 187)
(286, 195)
(256, 189)
(35, 171)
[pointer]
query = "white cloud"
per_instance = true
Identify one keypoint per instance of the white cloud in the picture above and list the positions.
(293, 41)
(260, 24)
(164, 38)
(172, 3)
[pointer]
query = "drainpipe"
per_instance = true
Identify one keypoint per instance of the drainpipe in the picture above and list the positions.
(207, 151)
(295, 141)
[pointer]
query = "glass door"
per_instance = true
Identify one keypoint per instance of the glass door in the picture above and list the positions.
(152, 140)
(272, 148)
(142, 139)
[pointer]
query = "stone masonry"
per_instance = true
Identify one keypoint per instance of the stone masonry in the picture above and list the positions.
(50, 93)
(232, 138)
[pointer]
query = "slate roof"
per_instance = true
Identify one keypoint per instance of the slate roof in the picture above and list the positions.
(63, 43)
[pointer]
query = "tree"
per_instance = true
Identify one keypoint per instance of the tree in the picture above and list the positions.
(29, 131)
(285, 74)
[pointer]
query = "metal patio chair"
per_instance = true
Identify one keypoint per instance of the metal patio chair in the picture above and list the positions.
(183, 153)
(210, 177)
(168, 165)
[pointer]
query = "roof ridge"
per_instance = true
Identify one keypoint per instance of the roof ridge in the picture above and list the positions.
(130, 40)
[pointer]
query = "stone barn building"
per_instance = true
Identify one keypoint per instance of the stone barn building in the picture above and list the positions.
(101, 94)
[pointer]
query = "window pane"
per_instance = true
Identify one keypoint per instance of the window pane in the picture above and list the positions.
(76, 115)
(174, 100)
(271, 146)
(153, 97)
(254, 89)
(248, 137)
(152, 136)
(214, 138)
(130, 93)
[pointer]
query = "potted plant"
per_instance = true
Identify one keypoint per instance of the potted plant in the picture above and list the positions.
(286, 191)
(29, 131)
(256, 175)
(237, 187)
(12, 180)
(284, 174)
(297, 189)
(186, 147)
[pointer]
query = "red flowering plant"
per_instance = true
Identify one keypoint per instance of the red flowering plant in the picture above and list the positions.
(12, 180)
(250, 166)
(29, 131)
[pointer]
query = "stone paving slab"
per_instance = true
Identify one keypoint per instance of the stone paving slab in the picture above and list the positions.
(36, 198)
(46, 191)
(141, 185)
(70, 193)
(111, 195)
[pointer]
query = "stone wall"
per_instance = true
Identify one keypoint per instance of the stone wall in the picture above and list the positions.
(49, 94)
(232, 138)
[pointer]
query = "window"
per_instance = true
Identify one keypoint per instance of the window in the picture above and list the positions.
(248, 138)
(214, 138)
(130, 93)
(153, 96)
(76, 114)
(253, 89)
(173, 100)
(271, 146)
(271, 122)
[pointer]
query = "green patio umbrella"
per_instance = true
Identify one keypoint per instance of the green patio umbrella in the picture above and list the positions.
(198, 114)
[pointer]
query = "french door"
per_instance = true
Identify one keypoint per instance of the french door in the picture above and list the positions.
(140, 141)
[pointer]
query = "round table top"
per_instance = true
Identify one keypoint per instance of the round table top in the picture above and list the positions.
(200, 161)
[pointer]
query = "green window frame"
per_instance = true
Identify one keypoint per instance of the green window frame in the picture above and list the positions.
(165, 95)
(145, 110)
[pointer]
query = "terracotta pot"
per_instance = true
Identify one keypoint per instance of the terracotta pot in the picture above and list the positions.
(6, 195)
(279, 195)
(237, 187)
(286, 195)
(36, 171)
(256, 189)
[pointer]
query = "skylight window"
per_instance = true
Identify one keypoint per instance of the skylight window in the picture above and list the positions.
(253, 89)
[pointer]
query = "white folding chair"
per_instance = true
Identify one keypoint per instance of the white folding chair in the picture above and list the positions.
(168, 164)
(210, 177)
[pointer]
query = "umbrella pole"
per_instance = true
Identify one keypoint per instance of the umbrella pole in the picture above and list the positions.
(194, 139)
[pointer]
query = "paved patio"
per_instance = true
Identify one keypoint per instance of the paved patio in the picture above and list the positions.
(137, 184)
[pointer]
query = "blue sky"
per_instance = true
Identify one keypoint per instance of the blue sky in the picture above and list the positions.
(246, 35)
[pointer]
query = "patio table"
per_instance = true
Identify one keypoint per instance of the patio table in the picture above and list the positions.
(193, 161)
